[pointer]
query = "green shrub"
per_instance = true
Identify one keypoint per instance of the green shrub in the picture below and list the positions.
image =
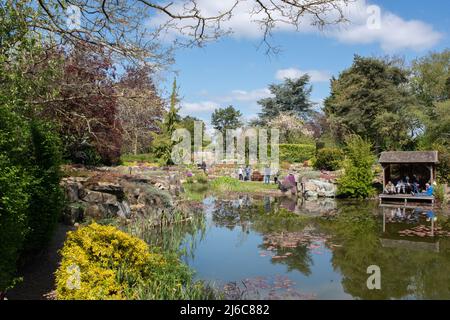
(29, 148)
(440, 194)
(201, 178)
(296, 152)
(30, 196)
(328, 159)
(443, 168)
(358, 175)
(14, 198)
(46, 194)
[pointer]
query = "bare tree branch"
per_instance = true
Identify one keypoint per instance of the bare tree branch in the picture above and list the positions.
(128, 28)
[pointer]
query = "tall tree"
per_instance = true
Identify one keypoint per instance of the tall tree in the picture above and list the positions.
(431, 78)
(372, 99)
(140, 108)
(292, 129)
(162, 143)
(291, 96)
(226, 118)
(86, 107)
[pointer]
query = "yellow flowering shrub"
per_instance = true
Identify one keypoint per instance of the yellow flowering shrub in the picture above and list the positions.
(102, 262)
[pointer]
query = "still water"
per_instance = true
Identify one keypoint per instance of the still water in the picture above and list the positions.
(286, 248)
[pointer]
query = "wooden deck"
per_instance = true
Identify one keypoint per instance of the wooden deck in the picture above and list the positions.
(405, 198)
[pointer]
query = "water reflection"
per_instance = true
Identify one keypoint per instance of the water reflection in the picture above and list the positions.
(288, 248)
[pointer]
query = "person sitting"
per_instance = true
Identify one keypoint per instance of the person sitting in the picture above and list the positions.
(400, 186)
(289, 184)
(415, 185)
(428, 192)
(389, 188)
(407, 184)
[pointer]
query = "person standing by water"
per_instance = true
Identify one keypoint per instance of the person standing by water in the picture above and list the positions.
(203, 167)
(248, 173)
(241, 173)
(267, 174)
(276, 174)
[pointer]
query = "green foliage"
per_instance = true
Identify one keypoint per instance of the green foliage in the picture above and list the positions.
(188, 123)
(226, 118)
(437, 137)
(372, 99)
(142, 158)
(329, 159)
(162, 141)
(111, 264)
(440, 194)
(296, 152)
(201, 178)
(293, 95)
(14, 200)
(46, 194)
(358, 176)
(431, 78)
(30, 197)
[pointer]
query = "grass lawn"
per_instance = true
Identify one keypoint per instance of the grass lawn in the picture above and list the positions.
(227, 184)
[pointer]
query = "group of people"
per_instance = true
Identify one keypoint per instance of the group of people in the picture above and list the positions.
(407, 185)
(245, 174)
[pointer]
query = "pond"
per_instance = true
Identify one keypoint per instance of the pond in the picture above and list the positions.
(288, 248)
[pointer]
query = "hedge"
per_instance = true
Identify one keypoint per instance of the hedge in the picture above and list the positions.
(30, 196)
(329, 159)
(296, 152)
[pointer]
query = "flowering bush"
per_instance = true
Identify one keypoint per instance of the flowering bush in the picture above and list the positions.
(104, 263)
(101, 262)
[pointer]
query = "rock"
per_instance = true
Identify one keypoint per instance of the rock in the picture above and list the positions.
(72, 189)
(311, 194)
(98, 197)
(310, 186)
(94, 211)
(109, 210)
(72, 214)
(124, 210)
(319, 188)
(109, 188)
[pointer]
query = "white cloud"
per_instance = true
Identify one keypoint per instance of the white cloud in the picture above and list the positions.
(394, 33)
(294, 73)
(189, 108)
(246, 96)
(241, 99)
(390, 31)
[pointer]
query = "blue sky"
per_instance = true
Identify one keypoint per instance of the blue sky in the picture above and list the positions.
(233, 70)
